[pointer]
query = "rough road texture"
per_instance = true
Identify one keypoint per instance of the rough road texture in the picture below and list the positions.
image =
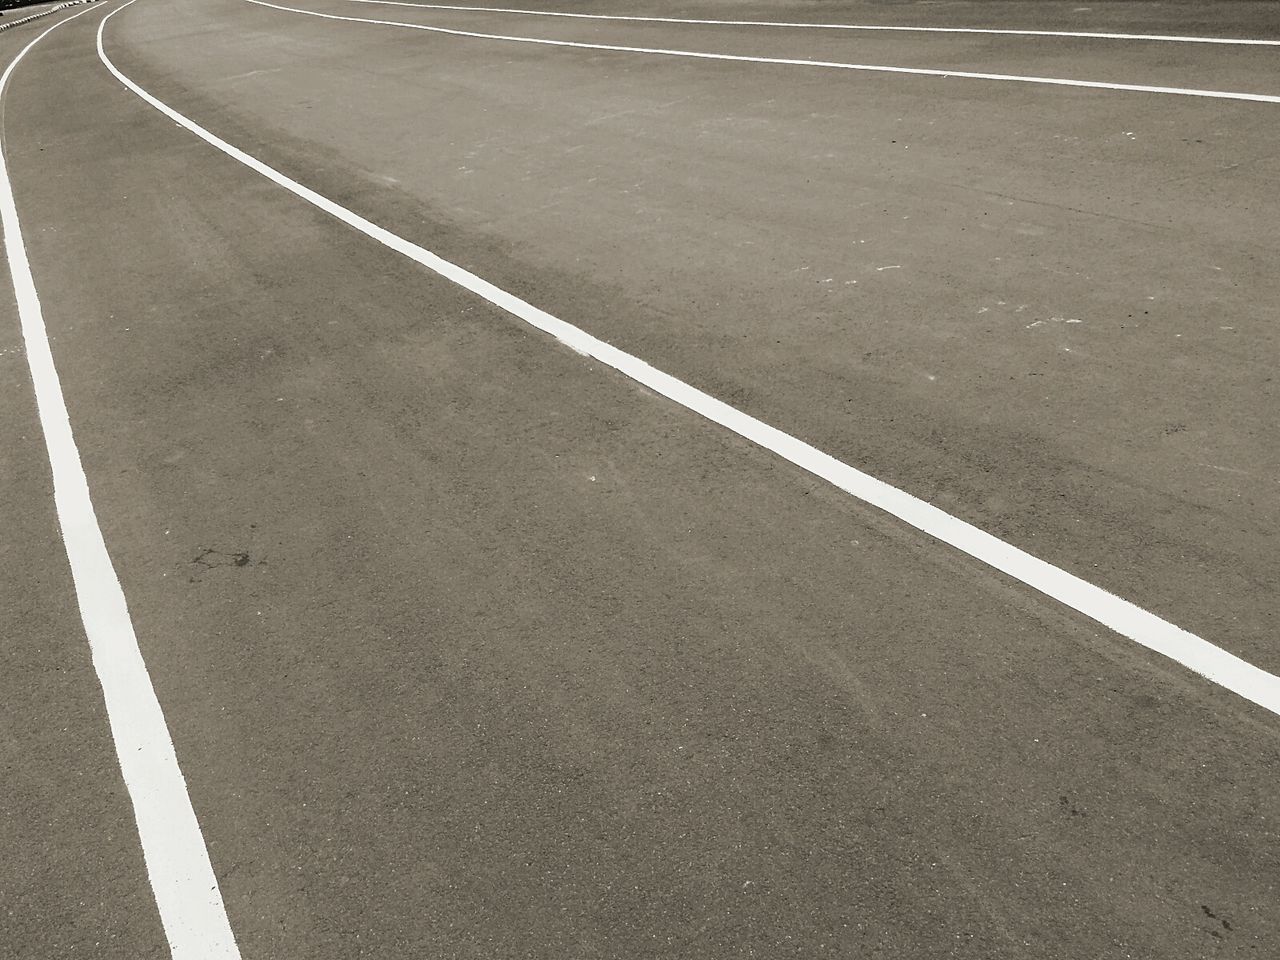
(471, 648)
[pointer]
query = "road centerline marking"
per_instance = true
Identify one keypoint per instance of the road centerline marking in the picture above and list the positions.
(790, 62)
(177, 860)
(1125, 618)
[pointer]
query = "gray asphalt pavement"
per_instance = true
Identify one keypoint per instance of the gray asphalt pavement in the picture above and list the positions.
(471, 647)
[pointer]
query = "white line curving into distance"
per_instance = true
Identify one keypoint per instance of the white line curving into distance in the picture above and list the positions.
(182, 880)
(783, 61)
(1078, 34)
(1125, 618)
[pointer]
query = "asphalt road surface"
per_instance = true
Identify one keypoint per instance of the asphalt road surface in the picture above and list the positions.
(472, 646)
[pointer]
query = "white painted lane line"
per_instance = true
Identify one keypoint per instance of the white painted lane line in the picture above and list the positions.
(1085, 35)
(9, 25)
(186, 891)
(827, 64)
(1206, 659)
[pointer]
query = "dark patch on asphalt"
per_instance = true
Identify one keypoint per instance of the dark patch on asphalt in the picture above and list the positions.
(211, 558)
(1069, 807)
(1226, 924)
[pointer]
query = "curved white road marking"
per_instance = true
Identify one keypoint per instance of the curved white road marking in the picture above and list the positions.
(827, 64)
(43, 13)
(1125, 618)
(186, 891)
(1085, 35)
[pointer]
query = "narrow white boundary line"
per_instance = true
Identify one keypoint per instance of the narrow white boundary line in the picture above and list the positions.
(839, 26)
(829, 64)
(1206, 659)
(182, 879)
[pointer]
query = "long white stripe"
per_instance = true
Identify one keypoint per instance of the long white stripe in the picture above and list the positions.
(1125, 618)
(186, 891)
(828, 64)
(9, 25)
(1086, 35)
